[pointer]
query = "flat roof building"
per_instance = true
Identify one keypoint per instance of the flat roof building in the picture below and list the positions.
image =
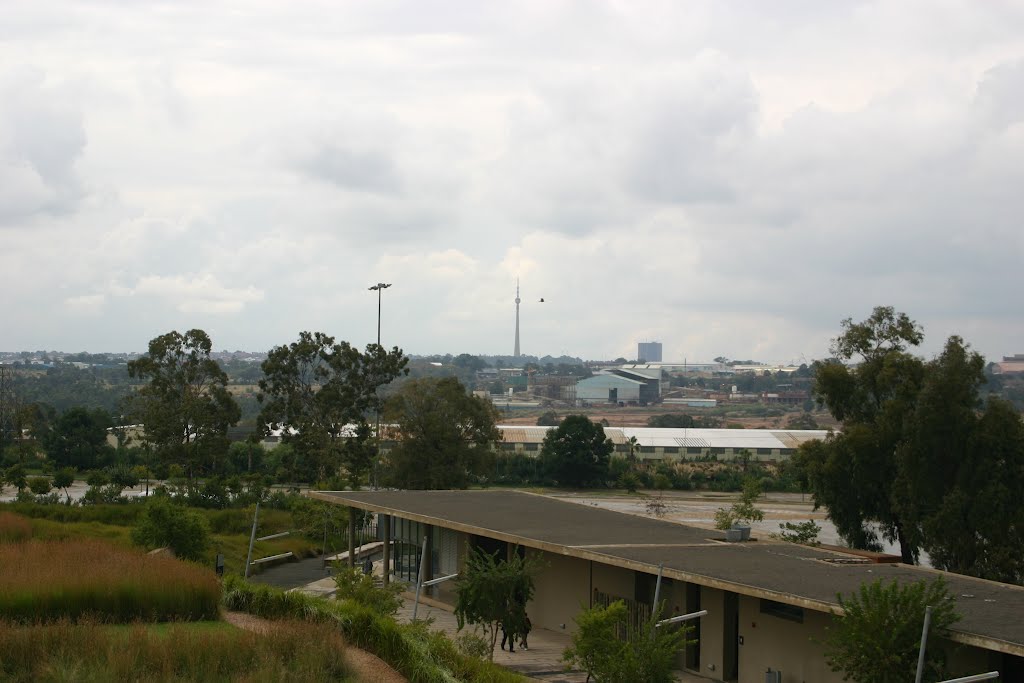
(769, 603)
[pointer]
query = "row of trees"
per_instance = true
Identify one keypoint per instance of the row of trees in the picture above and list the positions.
(923, 459)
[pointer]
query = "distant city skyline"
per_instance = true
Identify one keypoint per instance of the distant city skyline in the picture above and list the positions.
(733, 179)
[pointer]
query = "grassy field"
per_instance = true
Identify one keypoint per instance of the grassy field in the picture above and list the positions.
(51, 580)
(62, 651)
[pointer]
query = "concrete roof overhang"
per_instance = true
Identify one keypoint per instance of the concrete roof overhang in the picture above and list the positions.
(792, 574)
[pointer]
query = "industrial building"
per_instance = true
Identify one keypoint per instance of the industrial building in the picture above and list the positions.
(650, 443)
(768, 603)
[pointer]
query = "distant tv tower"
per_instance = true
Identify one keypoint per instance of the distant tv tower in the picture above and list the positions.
(516, 353)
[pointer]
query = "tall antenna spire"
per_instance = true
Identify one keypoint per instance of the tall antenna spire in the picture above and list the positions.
(516, 353)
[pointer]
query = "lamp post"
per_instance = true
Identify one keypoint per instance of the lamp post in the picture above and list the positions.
(379, 287)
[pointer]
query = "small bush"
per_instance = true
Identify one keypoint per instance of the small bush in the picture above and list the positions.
(472, 644)
(166, 524)
(50, 580)
(14, 528)
(362, 588)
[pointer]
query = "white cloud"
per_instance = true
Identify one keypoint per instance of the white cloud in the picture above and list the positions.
(198, 294)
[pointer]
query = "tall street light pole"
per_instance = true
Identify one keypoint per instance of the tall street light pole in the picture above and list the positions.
(379, 287)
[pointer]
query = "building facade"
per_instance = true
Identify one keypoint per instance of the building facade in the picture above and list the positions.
(769, 603)
(648, 352)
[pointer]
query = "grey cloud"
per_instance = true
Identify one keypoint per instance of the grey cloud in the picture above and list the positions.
(1000, 94)
(354, 169)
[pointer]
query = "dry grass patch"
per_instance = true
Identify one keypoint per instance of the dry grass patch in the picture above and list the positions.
(14, 528)
(50, 580)
(63, 651)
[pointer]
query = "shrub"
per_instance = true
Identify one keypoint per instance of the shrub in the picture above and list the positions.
(39, 485)
(413, 650)
(166, 524)
(362, 588)
(14, 528)
(50, 580)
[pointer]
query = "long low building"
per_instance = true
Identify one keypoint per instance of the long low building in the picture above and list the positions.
(769, 603)
(679, 444)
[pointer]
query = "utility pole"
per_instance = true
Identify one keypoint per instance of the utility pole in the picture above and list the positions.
(379, 288)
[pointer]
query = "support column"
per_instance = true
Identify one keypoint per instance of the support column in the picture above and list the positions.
(351, 537)
(428, 570)
(386, 521)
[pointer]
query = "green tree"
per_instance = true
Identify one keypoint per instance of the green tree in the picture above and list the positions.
(962, 468)
(610, 651)
(548, 419)
(492, 592)
(444, 435)
(315, 390)
(79, 439)
(577, 453)
(39, 485)
(63, 479)
(165, 523)
(878, 637)
(854, 473)
(185, 405)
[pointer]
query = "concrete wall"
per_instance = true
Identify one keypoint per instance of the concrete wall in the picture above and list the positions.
(783, 645)
(562, 590)
(712, 627)
(614, 580)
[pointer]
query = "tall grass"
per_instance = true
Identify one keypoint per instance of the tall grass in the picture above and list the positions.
(14, 528)
(49, 580)
(63, 651)
(421, 655)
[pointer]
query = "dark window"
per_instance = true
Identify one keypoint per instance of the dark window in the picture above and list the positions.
(764, 451)
(671, 449)
(508, 446)
(621, 448)
(647, 449)
(787, 451)
(717, 451)
(694, 450)
(531, 446)
(783, 611)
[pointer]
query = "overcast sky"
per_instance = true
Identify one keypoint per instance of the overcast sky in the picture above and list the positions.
(728, 178)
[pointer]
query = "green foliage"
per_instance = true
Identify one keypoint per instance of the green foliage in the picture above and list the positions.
(63, 479)
(878, 638)
(444, 435)
(577, 453)
(180, 653)
(646, 654)
(79, 439)
(313, 388)
(805, 533)
(412, 649)
(185, 404)
(472, 644)
(165, 523)
(39, 485)
(51, 580)
(548, 419)
(365, 590)
(15, 476)
(682, 420)
(493, 592)
(921, 458)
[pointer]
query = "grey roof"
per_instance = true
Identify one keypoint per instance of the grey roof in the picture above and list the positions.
(991, 612)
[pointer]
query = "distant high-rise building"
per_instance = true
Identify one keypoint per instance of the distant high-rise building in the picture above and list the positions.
(516, 353)
(649, 351)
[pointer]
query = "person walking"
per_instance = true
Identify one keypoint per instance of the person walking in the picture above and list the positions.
(508, 636)
(526, 632)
